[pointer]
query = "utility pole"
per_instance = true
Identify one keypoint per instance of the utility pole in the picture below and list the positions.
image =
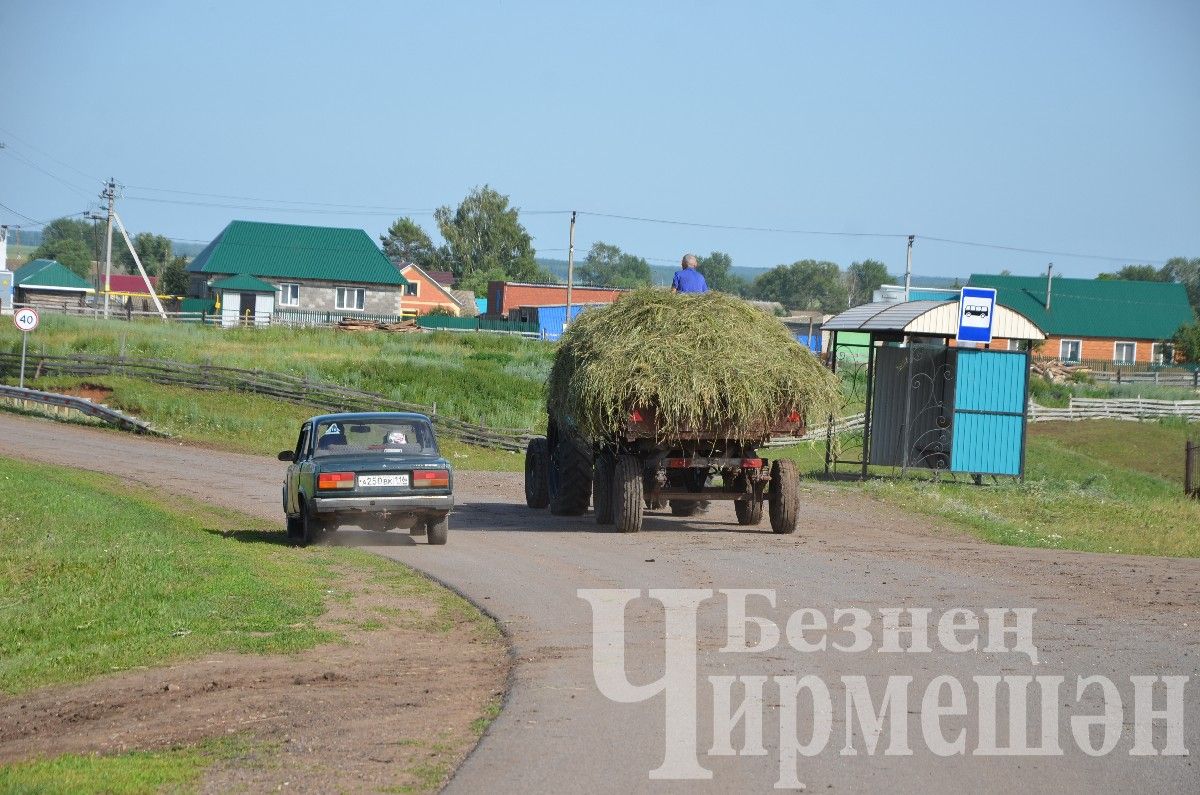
(570, 271)
(109, 193)
(1049, 283)
(908, 269)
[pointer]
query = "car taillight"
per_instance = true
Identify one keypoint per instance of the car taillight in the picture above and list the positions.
(793, 417)
(751, 463)
(335, 480)
(431, 479)
(635, 416)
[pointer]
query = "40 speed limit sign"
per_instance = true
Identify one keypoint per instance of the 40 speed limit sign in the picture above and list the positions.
(26, 319)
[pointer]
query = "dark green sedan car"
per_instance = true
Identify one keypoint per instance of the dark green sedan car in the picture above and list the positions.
(379, 471)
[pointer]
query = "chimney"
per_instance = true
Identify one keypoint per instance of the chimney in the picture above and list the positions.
(1049, 282)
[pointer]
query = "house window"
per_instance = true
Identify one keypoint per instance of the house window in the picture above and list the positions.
(412, 289)
(1016, 345)
(1162, 353)
(352, 298)
(289, 294)
(1124, 352)
(1069, 350)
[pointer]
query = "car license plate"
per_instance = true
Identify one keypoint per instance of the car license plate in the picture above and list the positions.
(367, 481)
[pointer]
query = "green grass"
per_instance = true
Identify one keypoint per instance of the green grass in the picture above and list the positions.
(1097, 486)
(97, 576)
(1052, 395)
(176, 769)
(492, 379)
(240, 422)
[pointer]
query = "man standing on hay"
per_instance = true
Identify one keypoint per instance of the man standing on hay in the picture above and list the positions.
(687, 278)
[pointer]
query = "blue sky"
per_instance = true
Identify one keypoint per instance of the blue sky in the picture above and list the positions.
(1071, 127)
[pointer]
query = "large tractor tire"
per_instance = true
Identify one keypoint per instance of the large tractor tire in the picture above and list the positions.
(602, 487)
(627, 491)
(684, 507)
(570, 476)
(783, 501)
(537, 461)
(749, 512)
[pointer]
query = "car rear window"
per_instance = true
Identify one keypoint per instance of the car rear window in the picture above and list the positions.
(375, 437)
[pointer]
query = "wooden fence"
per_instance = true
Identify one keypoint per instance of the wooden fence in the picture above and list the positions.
(298, 390)
(1134, 409)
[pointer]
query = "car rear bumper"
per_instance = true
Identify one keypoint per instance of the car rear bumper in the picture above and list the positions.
(415, 502)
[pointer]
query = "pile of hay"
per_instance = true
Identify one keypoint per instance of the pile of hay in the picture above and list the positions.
(697, 360)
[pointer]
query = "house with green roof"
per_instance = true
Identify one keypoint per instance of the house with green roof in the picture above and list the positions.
(258, 270)
(1122, 322)
(49, 283)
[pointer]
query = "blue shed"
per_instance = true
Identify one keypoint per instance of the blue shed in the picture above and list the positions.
(930, 404)
(550, 319)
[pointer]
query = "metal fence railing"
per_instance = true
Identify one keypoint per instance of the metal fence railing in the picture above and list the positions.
(299, 390)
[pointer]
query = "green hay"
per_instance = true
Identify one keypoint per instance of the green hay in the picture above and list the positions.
(698, 361)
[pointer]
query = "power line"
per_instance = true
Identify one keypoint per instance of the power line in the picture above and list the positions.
(44, 153)
(999, 247)
(732, 227)
(23, 215)
(22, 159)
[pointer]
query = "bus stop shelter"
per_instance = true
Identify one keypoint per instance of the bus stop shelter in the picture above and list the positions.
(930, 403)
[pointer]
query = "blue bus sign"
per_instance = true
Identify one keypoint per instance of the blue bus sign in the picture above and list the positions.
(976, 310)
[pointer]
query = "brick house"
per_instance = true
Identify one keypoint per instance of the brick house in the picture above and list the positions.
(1121, 322)
(426, 292)
(319, 268)
(503, 297)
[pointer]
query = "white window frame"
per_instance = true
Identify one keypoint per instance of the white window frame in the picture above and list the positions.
(1156, 355)
(283, 293)
(1062, 358)
(416, 289)
(1119, 343)
(1015, 345)
(339, 293)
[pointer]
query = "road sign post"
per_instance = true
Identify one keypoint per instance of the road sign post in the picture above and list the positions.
(26, 320)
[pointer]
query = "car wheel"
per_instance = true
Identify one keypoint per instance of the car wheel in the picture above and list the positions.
(783, 499)
(295, 529)
(627, 494)
(438, 529)
(310, 524)
(537, 458)
(602, 480)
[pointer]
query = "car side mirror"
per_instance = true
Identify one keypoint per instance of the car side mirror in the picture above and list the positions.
(287, 455)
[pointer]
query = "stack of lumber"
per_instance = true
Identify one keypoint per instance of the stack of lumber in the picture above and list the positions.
(1056, 371)
(359, 324)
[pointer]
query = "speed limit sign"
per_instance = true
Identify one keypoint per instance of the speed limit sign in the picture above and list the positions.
(26, 319)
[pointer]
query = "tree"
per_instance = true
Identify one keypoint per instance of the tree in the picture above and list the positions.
(807, 284)
(406, 241)
(71, 241)
(174, 278)
(154, 251)
(607, 266)
(485, 239)
(715, 268)
(864, 278)
(1139, 273)
(73, 254)
(1187, 342)
(1186, 272)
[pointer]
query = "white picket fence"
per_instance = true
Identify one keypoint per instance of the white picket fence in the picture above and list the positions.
(1134, 409)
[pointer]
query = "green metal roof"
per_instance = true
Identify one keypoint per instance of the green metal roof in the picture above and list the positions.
(242, 283)
(288, 251)
(49, 274)
(1095, 307)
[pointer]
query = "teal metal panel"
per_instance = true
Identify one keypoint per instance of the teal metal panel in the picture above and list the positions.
(987, 443)
(989, 412)
(990, 381)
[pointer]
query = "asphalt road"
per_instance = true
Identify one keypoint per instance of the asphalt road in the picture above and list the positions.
(1114, 616)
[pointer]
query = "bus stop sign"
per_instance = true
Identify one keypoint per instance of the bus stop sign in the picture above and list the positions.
(976, 309)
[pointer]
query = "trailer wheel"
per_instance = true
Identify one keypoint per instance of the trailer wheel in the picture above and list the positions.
(783, 501)
(602, 488)
(627, 494)
(537, 494)
(684, 507)
(570, 476)
(749, 511)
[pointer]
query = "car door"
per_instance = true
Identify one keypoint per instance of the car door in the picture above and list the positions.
(293, 471)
